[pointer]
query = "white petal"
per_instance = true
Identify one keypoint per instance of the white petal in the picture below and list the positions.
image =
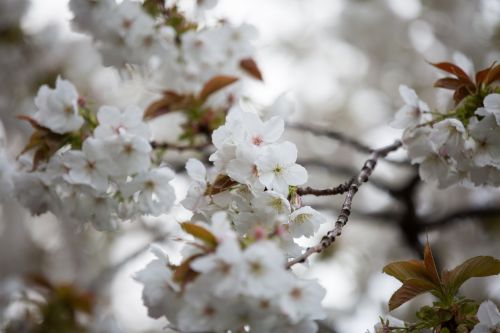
(409, 95)
(295, 175)
(196, 170)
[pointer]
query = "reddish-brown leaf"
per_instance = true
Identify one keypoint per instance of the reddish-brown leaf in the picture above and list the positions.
(250, 66)
(200, 233)
(405, 270)
(81, 301)
(170, 102)
(453, 69)
(474, 267)
(430, 265)
(184, 274)
(483, 74)
(410, 289)
(40, 281)
(215, 84)
(35, 124)
(461, 93)
(221, 184)
(448, 83)
(493, 75)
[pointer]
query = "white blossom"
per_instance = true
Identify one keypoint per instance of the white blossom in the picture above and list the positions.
(413, 112)
(113, 121)
(155, 195)
(57, 109)
(489, 318)
(278, 170)
(305, 221)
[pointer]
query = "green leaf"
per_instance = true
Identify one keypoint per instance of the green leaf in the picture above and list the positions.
(475, 267)
(200, 233)
(410, 289)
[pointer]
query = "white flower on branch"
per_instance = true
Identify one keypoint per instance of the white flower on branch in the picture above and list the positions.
(155, 195)
(113, 121)
(158, 293)
(413, 113)
(124, 155)
(84, 167)
(492, 106)
(305, 221)
(278, 170)
(57, 109)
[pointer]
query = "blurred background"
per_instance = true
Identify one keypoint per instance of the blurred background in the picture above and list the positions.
(341, 61)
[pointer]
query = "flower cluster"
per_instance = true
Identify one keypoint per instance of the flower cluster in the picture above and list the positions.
(461, 145)
(124, 32)
(224, 285)
(91, 167)
(254, 179)
(236, 277)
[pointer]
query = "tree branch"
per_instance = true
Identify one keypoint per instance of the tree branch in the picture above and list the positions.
(343, 170)
(316, 130)
(339, 189)
(479, 213)
(343, 217)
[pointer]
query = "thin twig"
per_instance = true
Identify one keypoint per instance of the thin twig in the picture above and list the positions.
(343, 217)
(343, 170)
(339, 189)
(316, 130)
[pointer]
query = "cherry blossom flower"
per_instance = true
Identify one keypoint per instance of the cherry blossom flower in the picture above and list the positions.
(58, 108)
(158, 293)
(113, 121)
(413, 112)
(492, 106)
(305, 221)
(489, 318)
(83, 167)
(155, 195)
(278, 170)
(303, 301)
(124, 155)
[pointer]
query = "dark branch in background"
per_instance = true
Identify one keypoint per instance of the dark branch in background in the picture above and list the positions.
(409, 221)
(470, 213)
(342, 138)
(343, 217)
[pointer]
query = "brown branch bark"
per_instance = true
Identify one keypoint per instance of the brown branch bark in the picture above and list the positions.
(343, 217)
(339, 189)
